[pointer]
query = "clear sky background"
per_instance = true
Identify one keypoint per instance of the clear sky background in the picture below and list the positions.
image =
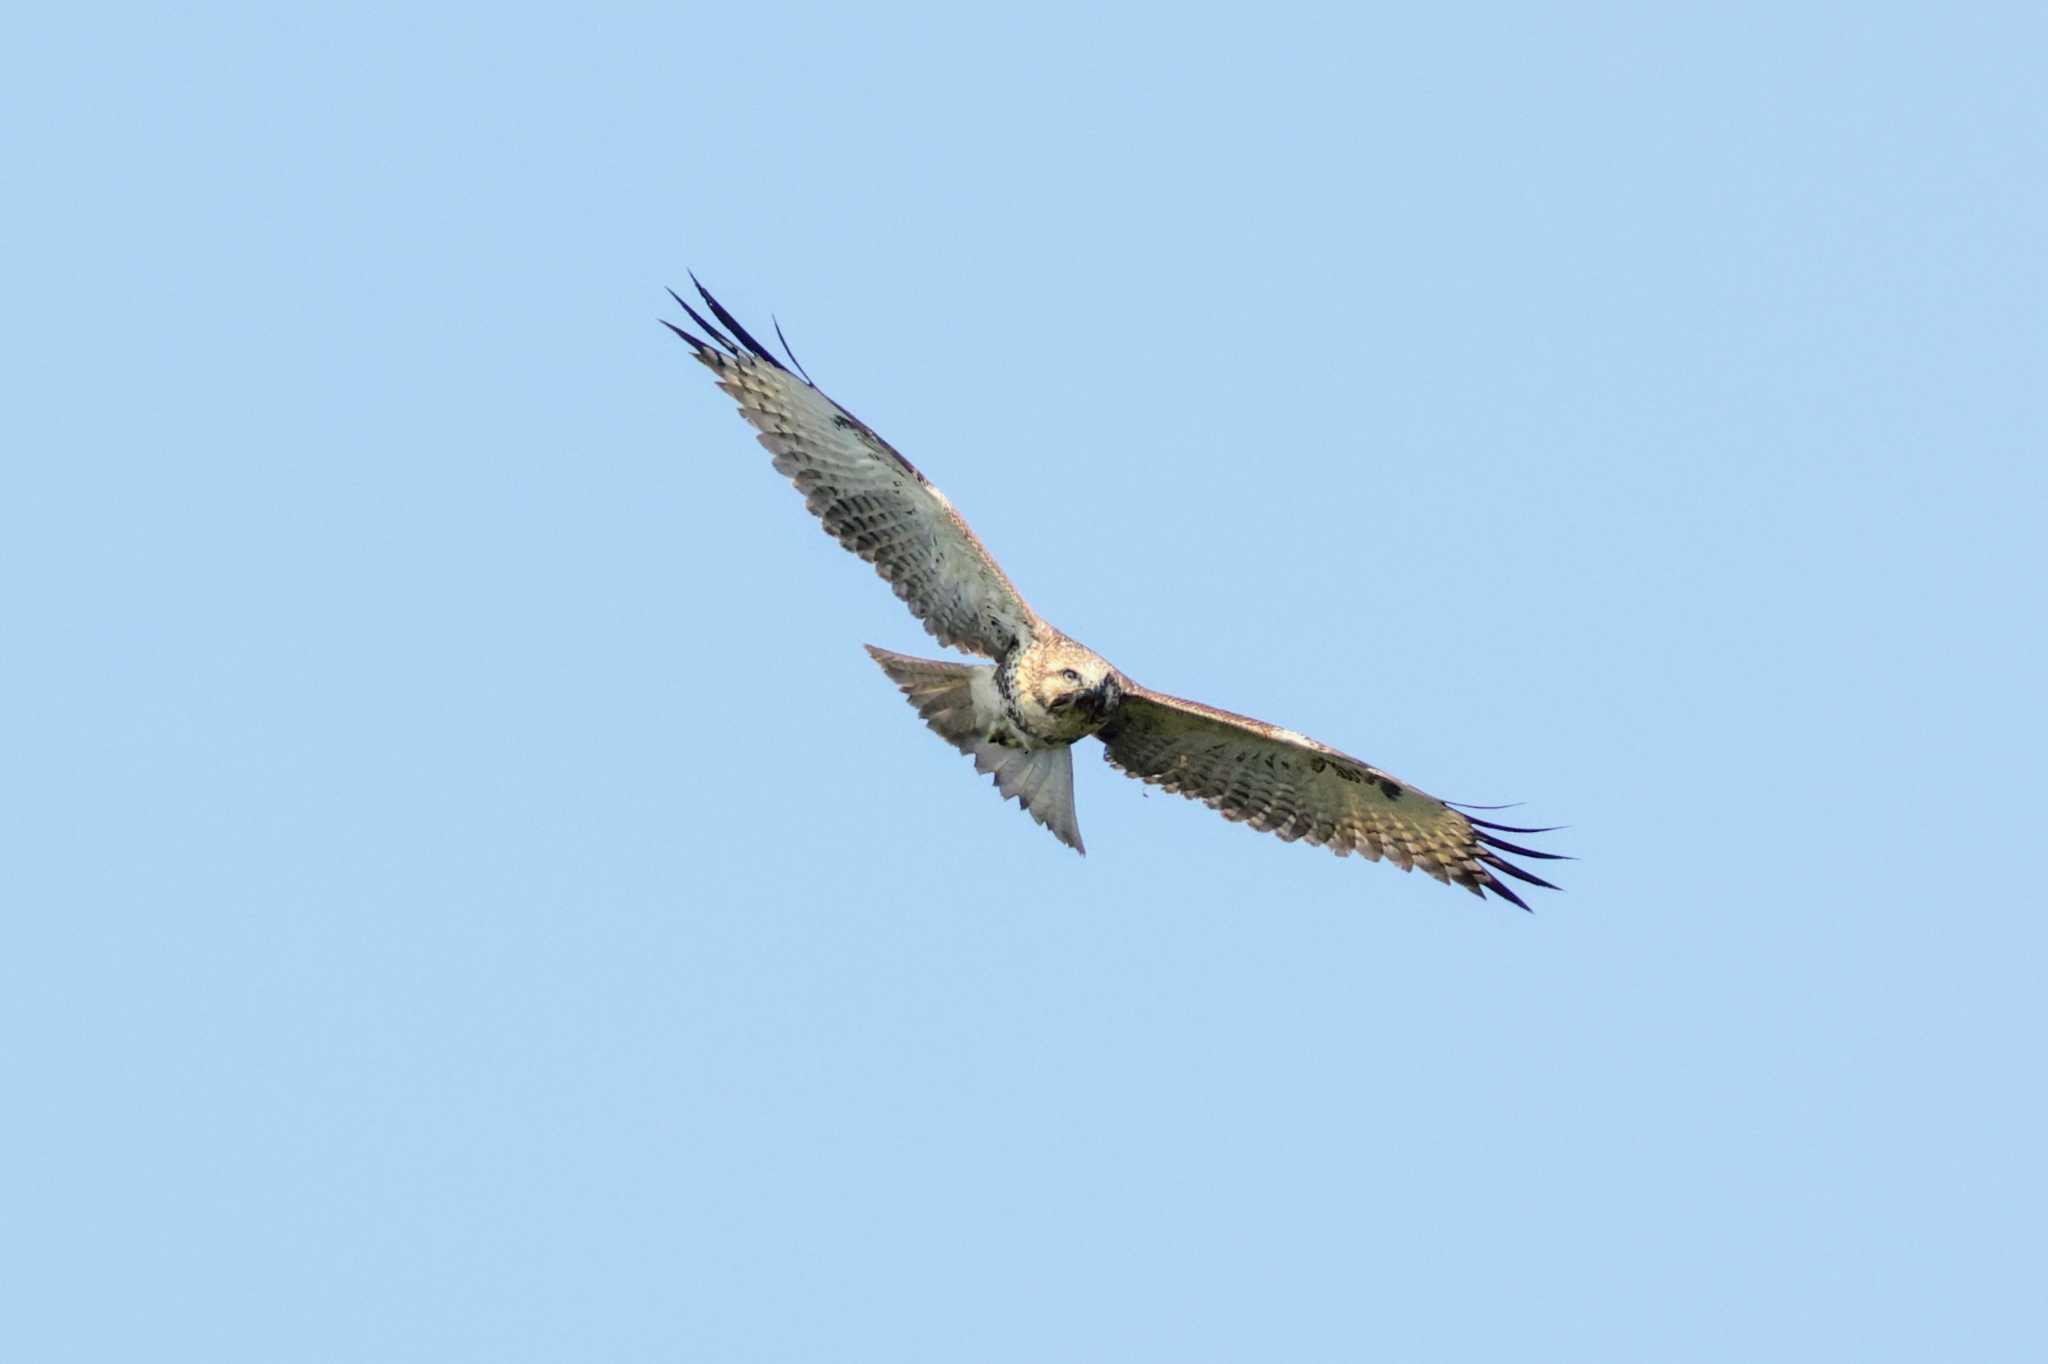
(469, 897)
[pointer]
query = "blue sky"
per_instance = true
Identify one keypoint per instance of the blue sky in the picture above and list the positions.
(471, 898)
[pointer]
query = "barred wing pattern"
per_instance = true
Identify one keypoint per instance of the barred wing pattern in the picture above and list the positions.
(1287, 784)
(870, 498)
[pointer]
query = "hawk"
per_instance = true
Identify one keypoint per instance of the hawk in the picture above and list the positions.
(1019, 715)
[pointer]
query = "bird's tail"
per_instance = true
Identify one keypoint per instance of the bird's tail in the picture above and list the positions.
(1041, 780)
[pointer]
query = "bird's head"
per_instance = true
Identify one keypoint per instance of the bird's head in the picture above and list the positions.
(1077, 680)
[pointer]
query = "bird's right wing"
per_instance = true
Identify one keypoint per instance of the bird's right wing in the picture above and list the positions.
(870, 498)
(1287, 784)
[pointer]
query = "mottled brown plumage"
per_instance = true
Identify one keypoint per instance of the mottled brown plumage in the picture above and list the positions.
(1287, 784)
(1019, 715)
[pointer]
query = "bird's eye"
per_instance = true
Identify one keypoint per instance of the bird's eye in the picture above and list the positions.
(1070, 674)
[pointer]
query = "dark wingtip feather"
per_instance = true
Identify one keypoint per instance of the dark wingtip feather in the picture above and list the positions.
(716, 335)
(1507, 893)
(790, 353)
(1519, 873)
(1513, 828)
(1505, 828)
(1520, 851)
(695, 344)
(733, 325)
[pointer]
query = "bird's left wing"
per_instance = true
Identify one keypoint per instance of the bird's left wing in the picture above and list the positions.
(1287, 784)
(870, 498)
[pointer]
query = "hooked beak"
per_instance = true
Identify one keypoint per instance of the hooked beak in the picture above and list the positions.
(1100, 700)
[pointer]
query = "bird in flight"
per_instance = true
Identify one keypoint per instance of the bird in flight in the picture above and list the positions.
(1019, 715)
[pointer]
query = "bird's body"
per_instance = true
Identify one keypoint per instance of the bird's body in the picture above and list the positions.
(1020, 717)
(1020, 713)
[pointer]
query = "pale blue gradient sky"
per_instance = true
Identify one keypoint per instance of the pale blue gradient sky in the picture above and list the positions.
(470, 897)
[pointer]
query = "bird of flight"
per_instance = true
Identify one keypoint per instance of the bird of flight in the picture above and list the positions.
(1020, 714)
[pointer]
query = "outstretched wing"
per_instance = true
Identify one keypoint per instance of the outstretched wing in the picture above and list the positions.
(871, 499)
(1285, 783)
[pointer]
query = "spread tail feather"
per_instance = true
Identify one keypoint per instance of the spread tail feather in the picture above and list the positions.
(1041, 780)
